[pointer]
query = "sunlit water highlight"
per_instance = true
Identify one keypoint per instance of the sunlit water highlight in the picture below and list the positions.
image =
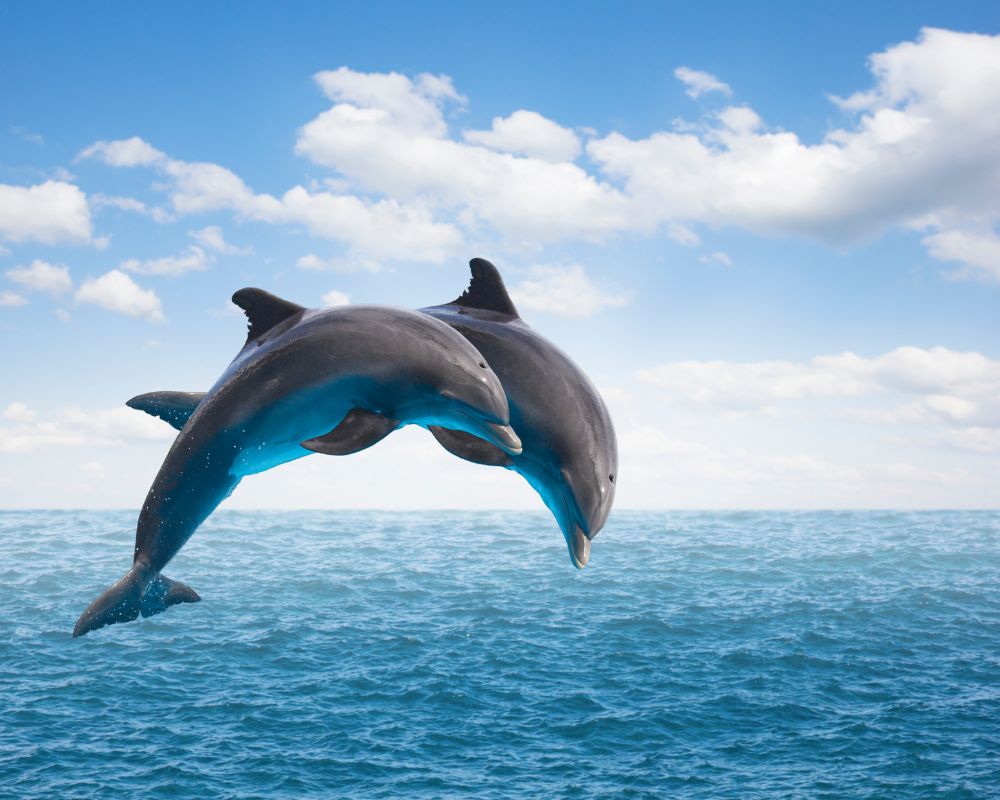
(701, 655)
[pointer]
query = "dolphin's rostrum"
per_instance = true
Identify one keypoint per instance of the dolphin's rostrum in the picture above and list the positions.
(299, 375)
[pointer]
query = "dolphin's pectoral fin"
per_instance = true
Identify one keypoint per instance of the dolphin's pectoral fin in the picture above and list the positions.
(471, 448)
(486, 290)
(172, 407)
(357, 431)
(263, 310)
(134, 594)
(163, 593)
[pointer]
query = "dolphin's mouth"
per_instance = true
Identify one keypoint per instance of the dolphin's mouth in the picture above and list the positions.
(579, 547)
(503, 436)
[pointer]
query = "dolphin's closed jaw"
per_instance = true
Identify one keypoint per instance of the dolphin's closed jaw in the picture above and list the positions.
(579, 548)
(505, 438)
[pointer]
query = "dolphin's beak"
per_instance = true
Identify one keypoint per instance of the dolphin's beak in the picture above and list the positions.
(579, 548)
(503, 436)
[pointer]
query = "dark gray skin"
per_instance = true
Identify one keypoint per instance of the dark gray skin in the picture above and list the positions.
(300, 374)
(569, 451)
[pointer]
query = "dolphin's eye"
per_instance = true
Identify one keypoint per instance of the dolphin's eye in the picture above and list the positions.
(611, 478)
(482, 364)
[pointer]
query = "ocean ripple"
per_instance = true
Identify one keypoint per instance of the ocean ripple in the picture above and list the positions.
(447, 654)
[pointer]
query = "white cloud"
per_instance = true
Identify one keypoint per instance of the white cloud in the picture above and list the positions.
(12, 299)
(192, 259)
(116, 291)
(717, 257)
(335, 298)
(974, 439)
(379, 229)
(73, 427)
(925, 140)
(528, 133)
(387, 135)
(130, 204)
(565, 291)
(699, 83)
(916, 149)
(957, 390)
(19, 412)
(212, 238)
(682, 235)
(132, 152)
(50, 213)
(977, 250)
(41, 276)
(95, 469)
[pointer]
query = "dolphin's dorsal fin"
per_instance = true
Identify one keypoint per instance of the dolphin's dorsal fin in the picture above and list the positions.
(172, 407)
(263, 310)
(486, 290)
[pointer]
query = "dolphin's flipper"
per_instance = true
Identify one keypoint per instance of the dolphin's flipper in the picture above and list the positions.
(172, 407)
(264, 310)
(486, 290)
(134, 594)
(357, 431)
(471, 448)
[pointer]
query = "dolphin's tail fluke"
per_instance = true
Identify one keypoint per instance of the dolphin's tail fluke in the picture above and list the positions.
(133, 595)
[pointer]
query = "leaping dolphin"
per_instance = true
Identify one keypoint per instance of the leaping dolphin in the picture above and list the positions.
(570, 453)
(299, 375)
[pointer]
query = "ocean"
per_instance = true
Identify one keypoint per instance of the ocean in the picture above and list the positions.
(459, 654)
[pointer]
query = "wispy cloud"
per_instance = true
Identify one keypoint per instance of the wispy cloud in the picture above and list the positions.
(699, 83)
(25, 431)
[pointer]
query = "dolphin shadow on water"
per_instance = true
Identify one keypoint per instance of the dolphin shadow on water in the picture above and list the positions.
(300, 375)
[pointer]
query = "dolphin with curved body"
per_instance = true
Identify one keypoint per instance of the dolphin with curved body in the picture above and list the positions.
(301, 373)
(569, 450)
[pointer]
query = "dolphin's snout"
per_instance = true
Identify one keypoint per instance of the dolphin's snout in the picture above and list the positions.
(505, 438)
(579, 548)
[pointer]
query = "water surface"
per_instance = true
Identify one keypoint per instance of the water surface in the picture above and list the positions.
(361, 654)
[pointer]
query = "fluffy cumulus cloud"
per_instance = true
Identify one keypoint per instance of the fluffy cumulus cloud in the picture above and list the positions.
(22, 430)
(978, 251)
(918, 149)
(41, 276)
(389, 135)
(132, 152)
(921, 147)
(528, 133)
(335, 298)
(53, 212)
(699, 83)
(928, 387)
(116, 291)
(9, 299)
(566, 291)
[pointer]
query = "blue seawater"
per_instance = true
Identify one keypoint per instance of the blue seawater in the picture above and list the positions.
(701, 655)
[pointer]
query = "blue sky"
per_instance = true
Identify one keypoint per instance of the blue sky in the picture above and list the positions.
(768, 233)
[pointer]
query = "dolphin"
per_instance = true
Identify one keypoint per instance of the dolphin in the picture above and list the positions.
(569, 450)
(301, 373)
